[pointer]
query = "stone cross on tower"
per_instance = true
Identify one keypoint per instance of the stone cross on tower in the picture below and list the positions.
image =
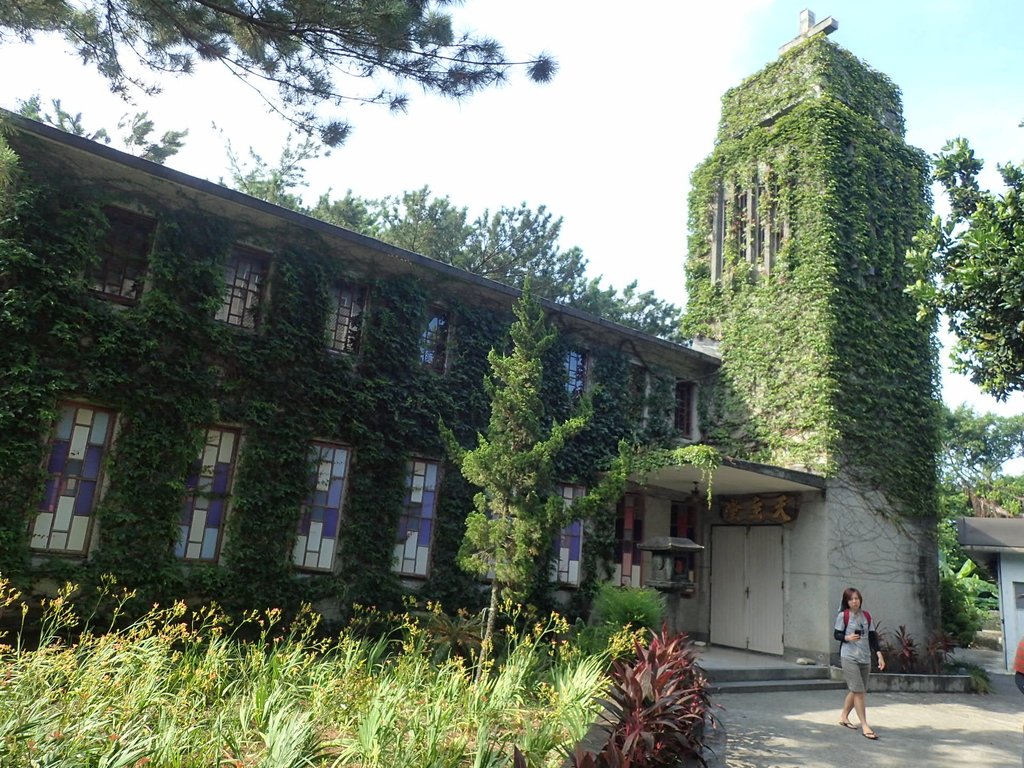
(809, 29)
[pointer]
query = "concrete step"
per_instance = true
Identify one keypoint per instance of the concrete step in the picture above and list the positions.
(745, 674)
(774, 686)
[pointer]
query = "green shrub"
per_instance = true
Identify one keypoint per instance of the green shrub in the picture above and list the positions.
(961, 618)
(617, 613)
(637, 607)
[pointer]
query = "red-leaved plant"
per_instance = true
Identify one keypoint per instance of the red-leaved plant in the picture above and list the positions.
(658, 704)
(905, 656)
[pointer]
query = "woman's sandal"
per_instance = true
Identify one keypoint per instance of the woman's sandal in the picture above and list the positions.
(848, 724)
(870, 735)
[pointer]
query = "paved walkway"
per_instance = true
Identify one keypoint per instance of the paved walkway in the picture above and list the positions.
(799, 729)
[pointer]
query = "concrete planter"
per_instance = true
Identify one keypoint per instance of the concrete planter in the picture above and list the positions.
(893, 682)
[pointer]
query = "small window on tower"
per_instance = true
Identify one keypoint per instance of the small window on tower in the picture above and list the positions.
(685, 407)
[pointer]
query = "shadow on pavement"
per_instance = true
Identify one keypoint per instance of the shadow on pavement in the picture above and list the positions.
(799, 729)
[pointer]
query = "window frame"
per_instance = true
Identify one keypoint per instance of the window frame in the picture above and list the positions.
(630, 513)
(223, 498)
(565, 538)
(578, 375)
(307, 521)
(58, 480)
(232, 290)
(347, 328)
(114, 257)
(684, 417)
(434, 345)
(400, 552)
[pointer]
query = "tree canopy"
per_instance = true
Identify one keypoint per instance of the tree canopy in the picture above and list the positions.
(976, 446)
(306, 58)
(134, 130)
(518, 510)
(970, 267)
(508, 245)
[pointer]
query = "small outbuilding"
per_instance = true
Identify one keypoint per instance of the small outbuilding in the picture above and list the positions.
(1000, 542)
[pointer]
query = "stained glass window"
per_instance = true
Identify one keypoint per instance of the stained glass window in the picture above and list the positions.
(77, 446)
(124, 253)
(434, 341)
(343, 321)
(576, 371)
(244, 274)
(317, 540)
(416, 524)
(206, 500)
(629, 532)
(683, 523)
(569, 545)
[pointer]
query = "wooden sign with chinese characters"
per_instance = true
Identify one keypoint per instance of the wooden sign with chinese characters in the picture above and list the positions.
(766, 510)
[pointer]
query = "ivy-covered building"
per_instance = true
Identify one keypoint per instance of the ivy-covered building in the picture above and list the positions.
(800, 220)
(206, 395)
(210, 396)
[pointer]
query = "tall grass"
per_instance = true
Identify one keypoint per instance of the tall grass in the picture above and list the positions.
(182, 689)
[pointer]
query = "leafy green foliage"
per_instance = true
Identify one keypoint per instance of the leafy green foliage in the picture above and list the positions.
(904, 655)
(135, 130)
(619, 607)
(974, 449)
(509, 245)
(314, 54)
(193, 687)
(618, 616)
(976, 446)
(961, 619)
(970, 267)
(518, 510)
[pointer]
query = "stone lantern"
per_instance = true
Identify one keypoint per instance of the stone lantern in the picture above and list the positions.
(668, 573)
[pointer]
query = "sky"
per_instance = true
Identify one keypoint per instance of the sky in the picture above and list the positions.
(610, 143)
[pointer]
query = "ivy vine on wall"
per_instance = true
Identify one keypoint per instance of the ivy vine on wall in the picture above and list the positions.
(170, 371)
(825, 366)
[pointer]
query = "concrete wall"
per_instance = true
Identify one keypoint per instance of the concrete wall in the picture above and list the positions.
(892, 561)
(807, 597)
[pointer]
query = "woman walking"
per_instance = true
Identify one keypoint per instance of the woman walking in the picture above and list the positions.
(855, 631)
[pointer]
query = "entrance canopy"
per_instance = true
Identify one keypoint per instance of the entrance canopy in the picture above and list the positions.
(733, 477)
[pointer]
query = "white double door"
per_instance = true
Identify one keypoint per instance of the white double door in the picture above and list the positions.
(747, 587)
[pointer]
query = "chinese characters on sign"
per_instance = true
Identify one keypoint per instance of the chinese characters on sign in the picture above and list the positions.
(749, 510)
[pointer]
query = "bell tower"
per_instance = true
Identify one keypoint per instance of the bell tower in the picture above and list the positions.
(799, 221)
